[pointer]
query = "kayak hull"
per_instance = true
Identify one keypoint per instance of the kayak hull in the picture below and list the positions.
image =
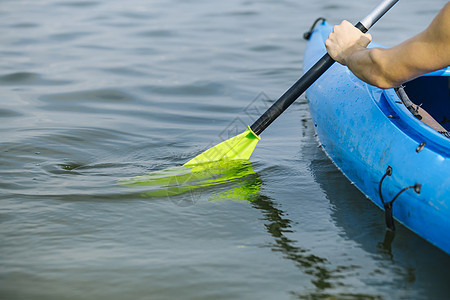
(364, 130)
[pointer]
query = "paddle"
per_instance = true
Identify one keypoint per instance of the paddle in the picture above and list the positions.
(242, 145)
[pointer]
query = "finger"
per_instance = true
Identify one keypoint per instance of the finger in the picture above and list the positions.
(346, 23)
(328, 43)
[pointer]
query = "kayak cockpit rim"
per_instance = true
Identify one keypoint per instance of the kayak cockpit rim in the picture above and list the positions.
(412, 126)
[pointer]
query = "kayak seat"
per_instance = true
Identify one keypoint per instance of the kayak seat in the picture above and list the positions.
(418, 111)
(432, 94)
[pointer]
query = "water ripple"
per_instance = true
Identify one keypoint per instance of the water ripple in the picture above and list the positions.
(199, 88)
(28, 78)
(7, 113)
(107, 95)
(78, 4)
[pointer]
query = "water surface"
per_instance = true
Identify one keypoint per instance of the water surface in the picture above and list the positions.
(96, 91)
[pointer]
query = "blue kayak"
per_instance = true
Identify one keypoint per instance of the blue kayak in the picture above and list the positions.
(396, 160)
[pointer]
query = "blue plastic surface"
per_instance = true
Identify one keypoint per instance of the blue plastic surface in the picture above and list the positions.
(364, 129)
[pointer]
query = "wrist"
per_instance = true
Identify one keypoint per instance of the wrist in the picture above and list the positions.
(350, 55)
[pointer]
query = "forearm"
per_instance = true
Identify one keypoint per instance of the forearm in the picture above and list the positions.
(387, 68)
(371, 65)
(347, 45)
(390, 67)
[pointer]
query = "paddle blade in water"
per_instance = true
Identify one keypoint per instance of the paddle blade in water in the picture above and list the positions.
(238, 147)
(234, 179)
(223, 163)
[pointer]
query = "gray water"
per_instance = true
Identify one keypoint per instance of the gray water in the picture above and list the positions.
(95, 91)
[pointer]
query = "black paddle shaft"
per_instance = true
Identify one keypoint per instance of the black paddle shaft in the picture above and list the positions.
(292, 94)
(296, 90)
(313, 74)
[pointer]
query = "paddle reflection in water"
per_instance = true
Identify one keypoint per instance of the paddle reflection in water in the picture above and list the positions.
(237, 181)
(277, 226)
(327, 279)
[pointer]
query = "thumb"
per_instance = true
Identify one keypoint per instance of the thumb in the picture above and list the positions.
(366, 40)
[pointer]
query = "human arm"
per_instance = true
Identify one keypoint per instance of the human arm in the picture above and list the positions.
(387, 68)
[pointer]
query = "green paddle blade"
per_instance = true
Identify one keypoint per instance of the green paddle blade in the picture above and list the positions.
(224, 163)
(238, 147)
